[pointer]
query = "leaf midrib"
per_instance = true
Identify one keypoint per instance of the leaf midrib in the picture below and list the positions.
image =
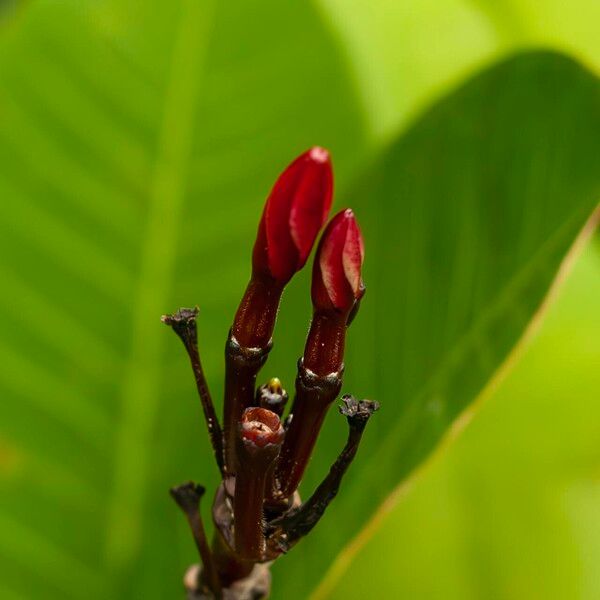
(140, 389)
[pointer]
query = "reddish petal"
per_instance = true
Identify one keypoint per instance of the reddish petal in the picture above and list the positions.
(353, 256)
(337, 272)
(330, 261)
(312, 202)
(294, 213)
(282, 252)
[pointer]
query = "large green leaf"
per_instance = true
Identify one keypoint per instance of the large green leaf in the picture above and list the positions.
(468, 217)
(137, 143)
(512, 509)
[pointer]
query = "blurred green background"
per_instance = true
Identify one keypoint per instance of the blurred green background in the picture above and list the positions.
(138, 141)
(510, 509)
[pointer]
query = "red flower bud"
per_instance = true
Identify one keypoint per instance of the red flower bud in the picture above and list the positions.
(337, 281)
(295, 211)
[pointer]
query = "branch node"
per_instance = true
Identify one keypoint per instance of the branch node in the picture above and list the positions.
(358, 412)
(183, 323)
(188, 496)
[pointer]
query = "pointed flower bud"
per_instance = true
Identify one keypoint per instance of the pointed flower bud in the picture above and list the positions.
(295, 211)
(337, 281)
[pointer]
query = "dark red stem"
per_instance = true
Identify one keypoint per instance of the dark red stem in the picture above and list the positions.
(318, 383)
(241, 368)
(255, 318)
(314, 395)
(229, 566)
(259, 440)
(324, 350)
(246, 351)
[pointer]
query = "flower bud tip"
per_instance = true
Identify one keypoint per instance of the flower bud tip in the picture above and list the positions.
(337, 278)
(294, 213)
(274, 385)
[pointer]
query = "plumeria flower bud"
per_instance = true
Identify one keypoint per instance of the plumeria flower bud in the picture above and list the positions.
(295, 211)
(262, 457)
(337, 281)
(337, 288)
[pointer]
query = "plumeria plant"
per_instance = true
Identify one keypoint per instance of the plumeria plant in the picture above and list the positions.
(261, 453)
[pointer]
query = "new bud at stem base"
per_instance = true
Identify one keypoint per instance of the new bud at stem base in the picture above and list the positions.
(271, 395)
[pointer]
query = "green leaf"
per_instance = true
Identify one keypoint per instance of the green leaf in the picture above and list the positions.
(137, 144)
(467, 218)
(511, 509)
(406, 54)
